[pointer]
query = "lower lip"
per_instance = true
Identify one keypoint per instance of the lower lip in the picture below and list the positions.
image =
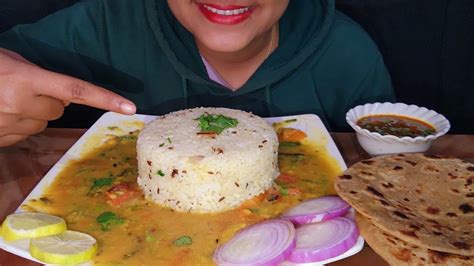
(222, 19)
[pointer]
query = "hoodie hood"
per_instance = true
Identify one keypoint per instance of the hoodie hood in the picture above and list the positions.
(325, 63)
(296, 44)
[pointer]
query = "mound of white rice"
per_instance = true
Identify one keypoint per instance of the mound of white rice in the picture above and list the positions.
(188, 171)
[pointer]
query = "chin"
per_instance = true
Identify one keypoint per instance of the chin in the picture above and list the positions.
(224, 44)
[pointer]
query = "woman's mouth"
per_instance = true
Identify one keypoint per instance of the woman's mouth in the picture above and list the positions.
(229, 14)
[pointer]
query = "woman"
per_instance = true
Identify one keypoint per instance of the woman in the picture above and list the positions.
(271, 57)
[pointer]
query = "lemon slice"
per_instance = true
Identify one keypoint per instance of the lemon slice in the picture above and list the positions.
(30, 224)
(69, 247)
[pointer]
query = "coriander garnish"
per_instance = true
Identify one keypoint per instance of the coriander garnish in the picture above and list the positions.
(108, 219)
(212, 123)
(100, 182)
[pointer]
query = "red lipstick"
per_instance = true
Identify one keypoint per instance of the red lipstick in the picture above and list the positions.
(230, 14)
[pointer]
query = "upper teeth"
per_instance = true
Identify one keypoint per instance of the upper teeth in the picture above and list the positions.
(227, 12)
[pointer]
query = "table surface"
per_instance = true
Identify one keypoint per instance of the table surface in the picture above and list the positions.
(23, 165)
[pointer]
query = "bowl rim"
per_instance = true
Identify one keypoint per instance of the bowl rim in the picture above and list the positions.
(444, 128)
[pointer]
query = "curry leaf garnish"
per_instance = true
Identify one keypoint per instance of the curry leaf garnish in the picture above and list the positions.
(160, 173)
(213, 123)
(183, 241)
(108, 219)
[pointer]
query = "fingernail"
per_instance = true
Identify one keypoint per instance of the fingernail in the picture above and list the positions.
(128, 108)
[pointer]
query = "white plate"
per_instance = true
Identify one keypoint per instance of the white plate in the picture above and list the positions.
(309, 123)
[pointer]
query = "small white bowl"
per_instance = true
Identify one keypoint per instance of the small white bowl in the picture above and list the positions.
(376, 144)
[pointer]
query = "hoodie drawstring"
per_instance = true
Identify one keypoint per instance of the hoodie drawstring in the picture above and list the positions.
(268, 100)
(185, 92)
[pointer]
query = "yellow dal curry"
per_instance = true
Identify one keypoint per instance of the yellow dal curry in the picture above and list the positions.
(98, 195)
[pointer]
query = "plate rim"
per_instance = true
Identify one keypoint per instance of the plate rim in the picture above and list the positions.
(110, 117)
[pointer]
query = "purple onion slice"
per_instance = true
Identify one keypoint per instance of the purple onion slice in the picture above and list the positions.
(321, 241)
(265, 243)
(317, 210)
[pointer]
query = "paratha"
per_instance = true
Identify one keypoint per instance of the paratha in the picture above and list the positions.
(398, 252)
(427, 201)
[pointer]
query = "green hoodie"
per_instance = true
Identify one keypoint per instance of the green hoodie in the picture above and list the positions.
(324, 64)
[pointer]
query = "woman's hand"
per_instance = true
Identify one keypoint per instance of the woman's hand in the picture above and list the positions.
(31, 96)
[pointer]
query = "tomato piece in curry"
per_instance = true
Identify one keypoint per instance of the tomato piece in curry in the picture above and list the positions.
(98, 195)
(400, 126)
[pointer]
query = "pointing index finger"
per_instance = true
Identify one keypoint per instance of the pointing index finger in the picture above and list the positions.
(81, 92)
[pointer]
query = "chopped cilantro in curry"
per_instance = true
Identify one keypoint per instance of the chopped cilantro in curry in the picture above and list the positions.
(183, 241)
(149, 237)
(108, 220)
(100, 182)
